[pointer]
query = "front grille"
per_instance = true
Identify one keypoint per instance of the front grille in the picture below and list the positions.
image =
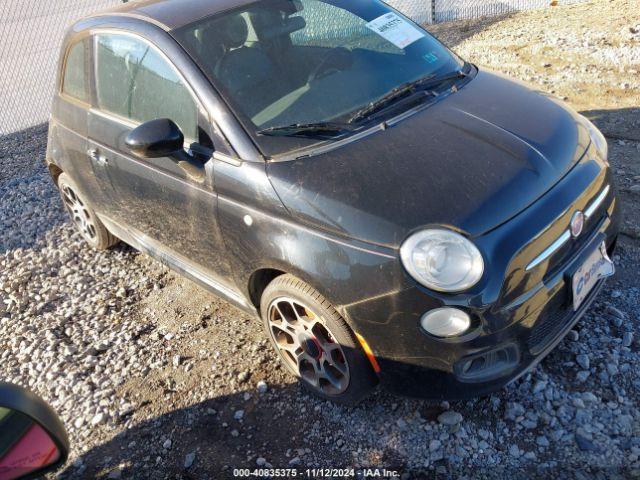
(533, 263)
(574, 247)
(558, 314)
(548, 326)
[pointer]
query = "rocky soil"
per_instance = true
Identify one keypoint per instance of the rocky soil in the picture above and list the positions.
(156, 378)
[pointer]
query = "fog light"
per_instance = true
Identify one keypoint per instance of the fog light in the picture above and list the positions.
(445, 322)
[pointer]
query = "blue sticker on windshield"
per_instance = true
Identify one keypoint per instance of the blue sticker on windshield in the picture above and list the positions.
(430, 57)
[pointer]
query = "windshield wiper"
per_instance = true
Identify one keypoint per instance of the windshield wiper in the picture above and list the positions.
(402, 91)
(333, 129)
(312, 130)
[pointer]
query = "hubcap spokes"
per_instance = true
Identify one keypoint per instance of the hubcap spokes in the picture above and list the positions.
(308, 346)
(79, 213)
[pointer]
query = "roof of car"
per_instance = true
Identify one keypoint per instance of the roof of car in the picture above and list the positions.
(172, 14)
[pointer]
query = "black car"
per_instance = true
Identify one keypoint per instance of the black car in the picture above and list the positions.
(391, 212)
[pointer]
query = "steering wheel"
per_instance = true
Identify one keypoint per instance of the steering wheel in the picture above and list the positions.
(335, 60)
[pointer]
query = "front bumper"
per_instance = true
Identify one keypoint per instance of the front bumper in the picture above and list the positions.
(487, 363)
(513, 353)
(519, 321)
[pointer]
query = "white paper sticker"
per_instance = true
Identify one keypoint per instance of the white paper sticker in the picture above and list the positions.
(395, 29)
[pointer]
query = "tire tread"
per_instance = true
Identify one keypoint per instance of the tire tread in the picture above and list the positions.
(362, 377)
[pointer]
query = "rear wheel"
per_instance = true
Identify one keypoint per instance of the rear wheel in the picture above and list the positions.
(314, 342)
(83, 216)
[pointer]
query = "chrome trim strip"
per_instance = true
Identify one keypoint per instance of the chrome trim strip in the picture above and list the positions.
(114, 118)
(550, 250)
(236, 162)
(591, 209)
(130, 14)
(566, 235)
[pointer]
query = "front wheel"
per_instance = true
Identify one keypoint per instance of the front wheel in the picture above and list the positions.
(314, 342)
(83, 216)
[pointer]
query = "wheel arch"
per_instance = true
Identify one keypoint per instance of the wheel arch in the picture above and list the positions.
(263, 276)
(55, 171)
(258, 282)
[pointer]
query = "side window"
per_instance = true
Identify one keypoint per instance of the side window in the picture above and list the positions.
(74, 81)
(135, 82)
(158, 92)
(117, 59)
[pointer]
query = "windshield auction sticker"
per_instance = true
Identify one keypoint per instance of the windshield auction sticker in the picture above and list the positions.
(395, 29)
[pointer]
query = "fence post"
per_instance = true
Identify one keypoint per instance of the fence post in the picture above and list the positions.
(433, 11)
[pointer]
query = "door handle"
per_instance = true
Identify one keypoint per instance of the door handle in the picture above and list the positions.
(96, 157)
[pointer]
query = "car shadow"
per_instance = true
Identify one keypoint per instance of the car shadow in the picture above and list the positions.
(280, 425)
(617, 124)
(286, 428)
(22, 153)
(621, 127)
(284, 425)
(30, 206)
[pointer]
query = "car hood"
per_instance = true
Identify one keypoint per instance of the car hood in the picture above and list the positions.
(471, 161)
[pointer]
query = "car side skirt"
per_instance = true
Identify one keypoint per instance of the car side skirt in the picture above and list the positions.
(175, 262)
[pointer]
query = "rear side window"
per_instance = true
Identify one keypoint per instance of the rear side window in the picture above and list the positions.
(75, 72)
(136, 82)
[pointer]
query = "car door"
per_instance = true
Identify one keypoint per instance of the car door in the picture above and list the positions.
(68, 131)
(169, 212)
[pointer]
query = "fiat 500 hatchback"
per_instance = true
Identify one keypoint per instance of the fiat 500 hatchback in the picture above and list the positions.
(391, 212)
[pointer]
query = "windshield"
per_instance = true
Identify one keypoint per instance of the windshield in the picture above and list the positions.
(305, 62)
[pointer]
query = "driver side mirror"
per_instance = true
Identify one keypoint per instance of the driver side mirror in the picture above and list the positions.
(33, 440)
(155, 139)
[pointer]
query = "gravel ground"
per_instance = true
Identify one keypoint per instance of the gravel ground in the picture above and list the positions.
(156, 378)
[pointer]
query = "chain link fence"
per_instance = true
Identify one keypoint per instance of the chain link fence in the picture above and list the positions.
(31, 32)
(449, 10)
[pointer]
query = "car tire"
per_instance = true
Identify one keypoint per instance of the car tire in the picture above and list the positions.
(83, 216)
(315, 343)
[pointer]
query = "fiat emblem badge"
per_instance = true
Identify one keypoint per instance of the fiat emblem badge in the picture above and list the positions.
(577, 224)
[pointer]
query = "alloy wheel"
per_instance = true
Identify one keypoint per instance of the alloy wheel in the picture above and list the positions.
(307, 346)
(79, 213)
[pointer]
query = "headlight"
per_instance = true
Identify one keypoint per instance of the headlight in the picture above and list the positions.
(597, 138)
(442, 260)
